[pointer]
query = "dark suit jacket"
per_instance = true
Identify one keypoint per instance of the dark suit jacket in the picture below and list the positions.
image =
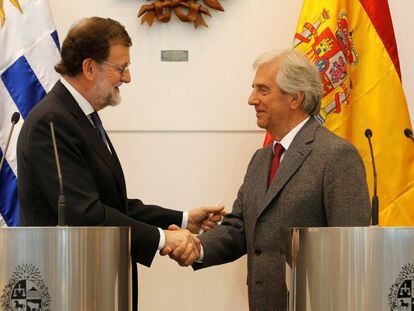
(320, 182)
(94, 183)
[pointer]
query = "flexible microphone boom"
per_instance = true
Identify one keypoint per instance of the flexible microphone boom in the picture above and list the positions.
(375, 201)
(62, 199)
(409, 134)
(14, 119)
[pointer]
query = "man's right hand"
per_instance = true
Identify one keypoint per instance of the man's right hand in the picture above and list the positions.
(181, 245)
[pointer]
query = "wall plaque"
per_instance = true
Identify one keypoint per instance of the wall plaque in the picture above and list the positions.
(174, 55)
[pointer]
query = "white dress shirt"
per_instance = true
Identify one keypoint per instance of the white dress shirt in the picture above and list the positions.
(287, 140)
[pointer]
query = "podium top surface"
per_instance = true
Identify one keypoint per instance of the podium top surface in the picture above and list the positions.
(350, 228)
(66, 229)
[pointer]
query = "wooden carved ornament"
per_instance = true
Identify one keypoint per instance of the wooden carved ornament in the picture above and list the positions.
(186, 11)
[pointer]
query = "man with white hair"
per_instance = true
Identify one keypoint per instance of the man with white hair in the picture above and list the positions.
(308, 177)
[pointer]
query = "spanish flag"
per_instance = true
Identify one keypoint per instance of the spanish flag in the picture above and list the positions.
(352, 43)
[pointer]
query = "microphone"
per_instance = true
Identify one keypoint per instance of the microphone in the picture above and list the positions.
(375, 202)
(62, 199)
(14, 119)
(409, 134)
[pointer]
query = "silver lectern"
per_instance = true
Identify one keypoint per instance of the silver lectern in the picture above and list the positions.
(65, 268)
(358, 269)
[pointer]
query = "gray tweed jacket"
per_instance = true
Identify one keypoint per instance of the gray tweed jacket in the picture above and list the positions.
(320, 182)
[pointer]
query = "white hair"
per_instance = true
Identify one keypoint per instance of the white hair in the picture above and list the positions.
(296, 73)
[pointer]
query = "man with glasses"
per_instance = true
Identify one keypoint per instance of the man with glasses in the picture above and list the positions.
(94, 63)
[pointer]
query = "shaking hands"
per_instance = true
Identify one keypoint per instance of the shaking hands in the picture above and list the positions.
(180, 244)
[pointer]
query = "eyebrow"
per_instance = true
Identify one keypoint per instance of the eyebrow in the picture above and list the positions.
(126, 64)
(261, 86)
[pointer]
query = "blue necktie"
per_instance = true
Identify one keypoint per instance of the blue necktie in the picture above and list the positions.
(98, 125)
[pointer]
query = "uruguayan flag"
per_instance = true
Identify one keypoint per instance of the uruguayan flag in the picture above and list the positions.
(29, 49)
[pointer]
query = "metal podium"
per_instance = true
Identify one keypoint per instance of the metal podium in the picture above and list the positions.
(65, 268)
(358, 269)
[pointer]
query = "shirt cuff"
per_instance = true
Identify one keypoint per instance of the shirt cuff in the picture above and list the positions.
(161, 244)
(184, 222)
(200, 259)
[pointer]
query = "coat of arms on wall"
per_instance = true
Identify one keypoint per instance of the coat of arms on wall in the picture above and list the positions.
(189, 11)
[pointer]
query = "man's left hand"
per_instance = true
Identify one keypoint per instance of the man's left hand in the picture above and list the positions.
(205, 218)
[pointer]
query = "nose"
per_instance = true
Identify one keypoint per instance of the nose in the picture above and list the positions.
(253, 98)
(126, 76)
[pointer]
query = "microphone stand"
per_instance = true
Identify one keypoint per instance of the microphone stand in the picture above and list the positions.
(62, 198)
(375, 201)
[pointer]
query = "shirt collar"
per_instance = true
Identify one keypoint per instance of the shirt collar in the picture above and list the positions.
(82, 102)
(287, 140)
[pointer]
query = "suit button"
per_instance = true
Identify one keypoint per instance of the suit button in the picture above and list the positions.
(257, 251)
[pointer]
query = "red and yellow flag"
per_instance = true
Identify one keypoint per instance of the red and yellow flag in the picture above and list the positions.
(352, 43)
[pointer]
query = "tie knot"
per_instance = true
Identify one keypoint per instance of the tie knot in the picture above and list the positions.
(278, 150)
(96, 119)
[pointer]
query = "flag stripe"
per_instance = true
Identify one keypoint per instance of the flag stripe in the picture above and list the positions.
(23, 85)
(7, 108)
(380, 16)
(42, 57)
(56, 39)
(9, 203)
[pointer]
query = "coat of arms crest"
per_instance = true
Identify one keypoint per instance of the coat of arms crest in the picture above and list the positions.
(332, 51)
(25, 291)
(401, 296)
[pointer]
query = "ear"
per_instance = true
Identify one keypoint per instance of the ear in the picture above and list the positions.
(297, 100)
(88, 68)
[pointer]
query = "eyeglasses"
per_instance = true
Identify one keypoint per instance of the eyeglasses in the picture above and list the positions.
(120, 69)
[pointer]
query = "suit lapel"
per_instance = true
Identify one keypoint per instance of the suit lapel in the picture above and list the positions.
(92, 134)
(263, 177)
(298, 151)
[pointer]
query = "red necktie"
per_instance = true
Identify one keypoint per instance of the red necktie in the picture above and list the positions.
(278, 150)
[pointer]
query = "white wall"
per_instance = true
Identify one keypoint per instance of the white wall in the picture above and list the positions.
(403, 23)
(184, 131)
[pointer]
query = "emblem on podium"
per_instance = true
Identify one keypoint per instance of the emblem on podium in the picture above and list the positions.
(26, 291)
(401, 297)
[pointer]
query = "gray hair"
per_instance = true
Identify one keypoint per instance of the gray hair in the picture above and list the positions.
(296, 73)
